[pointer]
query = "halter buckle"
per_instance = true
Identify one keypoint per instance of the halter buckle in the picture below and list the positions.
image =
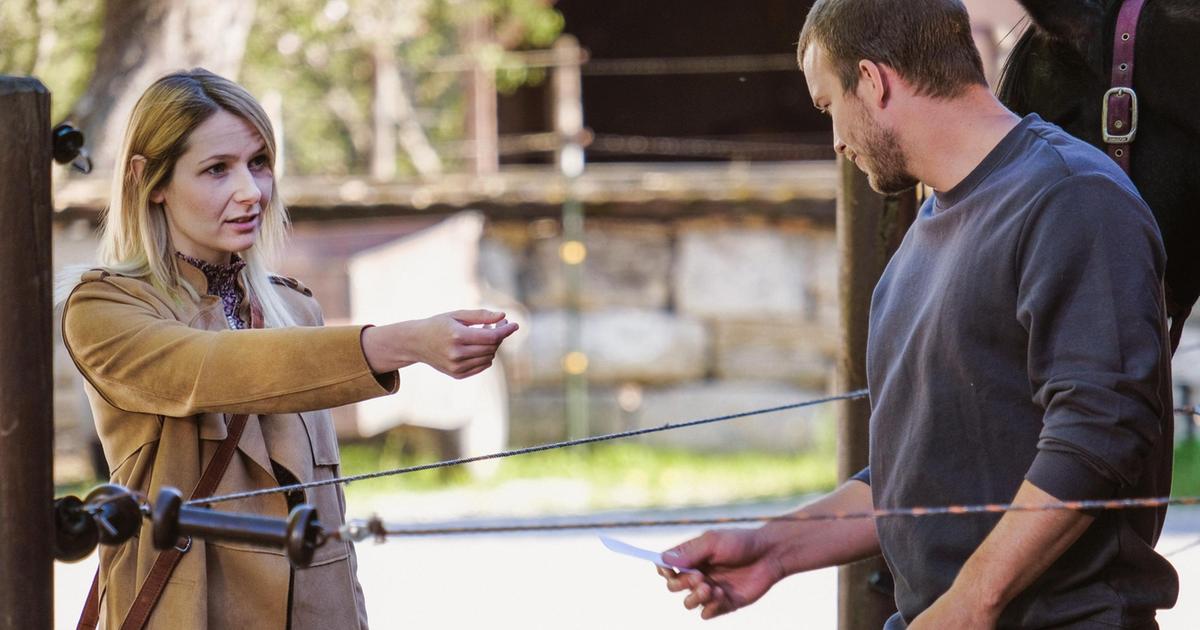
(1128, 136)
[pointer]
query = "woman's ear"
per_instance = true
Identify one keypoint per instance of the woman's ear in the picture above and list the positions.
(137, 166)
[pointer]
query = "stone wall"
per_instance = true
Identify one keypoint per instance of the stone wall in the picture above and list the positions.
(682, 318)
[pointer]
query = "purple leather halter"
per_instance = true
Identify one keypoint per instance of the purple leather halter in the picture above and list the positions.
(1120, 117)
(1120, 122)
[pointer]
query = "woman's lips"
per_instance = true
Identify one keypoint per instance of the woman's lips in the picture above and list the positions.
(244, 224)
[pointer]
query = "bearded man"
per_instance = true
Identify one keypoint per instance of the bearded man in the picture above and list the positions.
(1017, 353)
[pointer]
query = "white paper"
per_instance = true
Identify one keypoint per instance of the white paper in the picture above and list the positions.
(643, 554)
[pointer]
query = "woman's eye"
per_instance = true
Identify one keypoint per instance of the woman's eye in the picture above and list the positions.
(215, 169)
(259, 162)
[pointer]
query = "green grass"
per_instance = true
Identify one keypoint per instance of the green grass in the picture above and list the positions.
(614, 475)
(1186, 478)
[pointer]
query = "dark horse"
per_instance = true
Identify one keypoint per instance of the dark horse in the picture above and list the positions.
(1061, 70)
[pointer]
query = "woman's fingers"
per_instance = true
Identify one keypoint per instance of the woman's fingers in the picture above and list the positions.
(477, 316)
(474, 371)
(470, 353)
(472, 367)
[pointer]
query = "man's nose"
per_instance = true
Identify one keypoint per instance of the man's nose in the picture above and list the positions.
(838, 145)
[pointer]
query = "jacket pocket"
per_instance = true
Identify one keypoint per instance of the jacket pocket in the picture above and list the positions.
(322, 437)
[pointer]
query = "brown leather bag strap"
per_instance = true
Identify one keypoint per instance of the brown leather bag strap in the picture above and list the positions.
(164, 564)
(90, 616)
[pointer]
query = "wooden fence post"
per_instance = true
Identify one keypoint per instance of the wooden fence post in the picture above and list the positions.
(869, 228)
(26, 378)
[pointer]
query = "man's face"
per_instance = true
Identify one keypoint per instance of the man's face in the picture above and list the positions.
(873, 147)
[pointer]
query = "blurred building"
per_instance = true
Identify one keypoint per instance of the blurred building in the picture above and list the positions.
(709, 283)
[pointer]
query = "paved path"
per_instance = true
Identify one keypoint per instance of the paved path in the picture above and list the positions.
(568, 580)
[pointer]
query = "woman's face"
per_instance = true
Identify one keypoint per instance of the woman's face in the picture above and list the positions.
(218, 189)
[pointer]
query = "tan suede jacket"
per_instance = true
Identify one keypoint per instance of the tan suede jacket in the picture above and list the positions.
(162, 378)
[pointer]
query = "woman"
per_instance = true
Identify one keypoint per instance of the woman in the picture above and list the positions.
(165, 337)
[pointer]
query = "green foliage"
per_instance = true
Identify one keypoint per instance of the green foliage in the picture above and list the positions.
(316, 54)
(53, 40)
(20, 34)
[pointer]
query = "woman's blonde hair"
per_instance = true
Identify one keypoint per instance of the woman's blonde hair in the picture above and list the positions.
(134, 239)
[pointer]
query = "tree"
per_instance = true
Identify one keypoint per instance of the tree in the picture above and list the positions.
(325, 60)
(345, 54)
(54, 40)
(145, 39)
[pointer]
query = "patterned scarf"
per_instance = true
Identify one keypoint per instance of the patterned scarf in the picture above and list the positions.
(222, 282)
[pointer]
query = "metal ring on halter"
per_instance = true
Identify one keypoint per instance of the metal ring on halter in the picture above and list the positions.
(187, 545)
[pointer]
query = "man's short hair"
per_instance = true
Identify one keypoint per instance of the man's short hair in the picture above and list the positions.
(927, 42)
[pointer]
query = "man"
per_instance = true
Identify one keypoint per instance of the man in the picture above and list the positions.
(1017, 353)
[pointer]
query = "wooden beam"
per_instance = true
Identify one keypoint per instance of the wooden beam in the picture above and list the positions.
(869, 229)
(26, 377)
(482, 124)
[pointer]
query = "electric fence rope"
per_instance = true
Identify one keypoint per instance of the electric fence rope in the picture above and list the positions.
(854, 395)
(358, 530)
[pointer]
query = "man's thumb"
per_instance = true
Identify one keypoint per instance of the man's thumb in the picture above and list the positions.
(688, 555)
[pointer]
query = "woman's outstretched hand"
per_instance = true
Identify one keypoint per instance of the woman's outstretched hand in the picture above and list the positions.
(459, 343)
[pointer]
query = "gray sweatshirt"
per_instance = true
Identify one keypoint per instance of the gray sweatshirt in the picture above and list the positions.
(1018, 333)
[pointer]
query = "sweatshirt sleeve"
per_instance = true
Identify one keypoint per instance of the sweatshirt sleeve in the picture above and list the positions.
(1090, 267)
(863, 475)
(143, 362)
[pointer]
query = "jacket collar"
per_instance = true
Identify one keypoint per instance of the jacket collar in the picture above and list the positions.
(192, 275)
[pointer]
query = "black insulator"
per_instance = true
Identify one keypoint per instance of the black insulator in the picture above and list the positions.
(115, 511)
(75, 533)
(299, 535)
(305, 534)
(67, 143)
(110, 515)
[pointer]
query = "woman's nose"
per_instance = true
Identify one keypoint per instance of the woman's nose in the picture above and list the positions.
(247, 191)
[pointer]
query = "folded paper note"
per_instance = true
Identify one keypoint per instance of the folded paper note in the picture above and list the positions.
(644, 554)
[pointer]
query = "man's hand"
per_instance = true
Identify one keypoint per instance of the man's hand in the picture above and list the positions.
(449, 343)
(738, 566)
(737, 569)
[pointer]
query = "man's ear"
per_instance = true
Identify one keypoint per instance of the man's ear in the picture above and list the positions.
(137, 166)
(1078, 23)
(874, 83)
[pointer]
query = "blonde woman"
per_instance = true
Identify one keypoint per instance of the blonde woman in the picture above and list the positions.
(183, 330)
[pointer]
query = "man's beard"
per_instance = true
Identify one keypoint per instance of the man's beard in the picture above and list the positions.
(883, 160)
